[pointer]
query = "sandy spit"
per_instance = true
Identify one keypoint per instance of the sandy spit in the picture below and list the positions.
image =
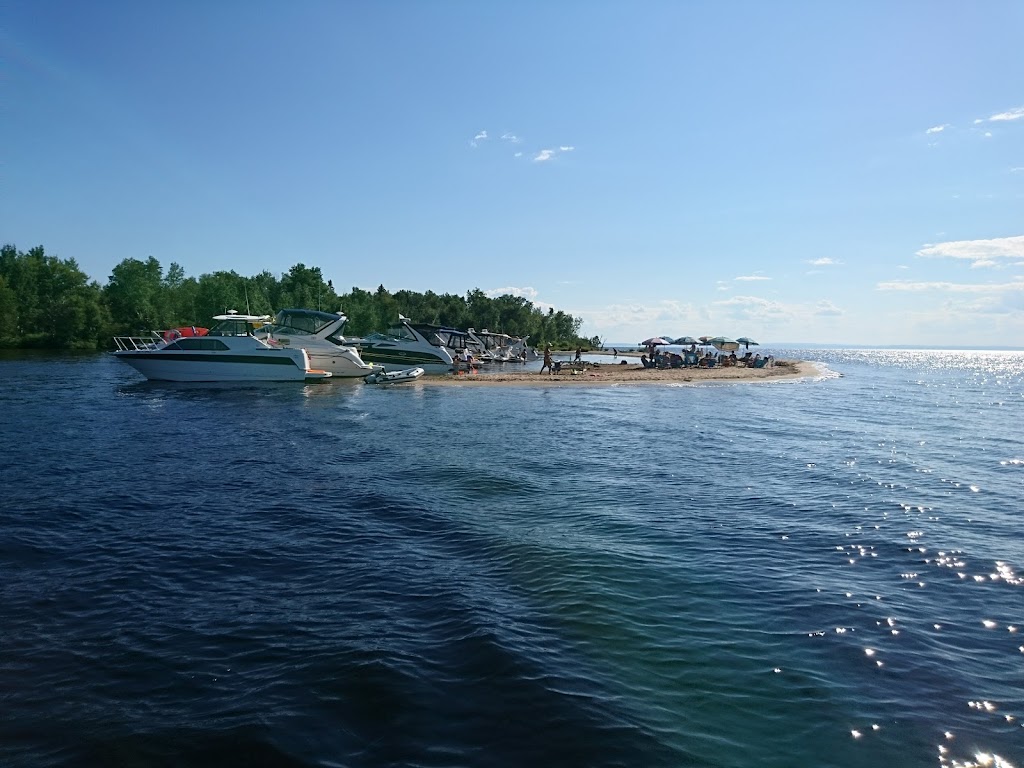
(629, 375)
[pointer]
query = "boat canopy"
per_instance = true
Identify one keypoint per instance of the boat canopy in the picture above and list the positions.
(303, 321)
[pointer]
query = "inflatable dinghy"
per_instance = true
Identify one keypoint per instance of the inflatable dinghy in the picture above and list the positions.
(393, 377)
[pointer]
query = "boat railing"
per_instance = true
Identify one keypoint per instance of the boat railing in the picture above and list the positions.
(137, 343)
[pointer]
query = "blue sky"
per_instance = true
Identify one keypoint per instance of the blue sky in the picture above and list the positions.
(848, 173)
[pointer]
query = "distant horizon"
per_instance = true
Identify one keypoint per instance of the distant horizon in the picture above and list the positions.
(816, 345)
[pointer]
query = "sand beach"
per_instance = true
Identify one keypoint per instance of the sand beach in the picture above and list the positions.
(630, 374)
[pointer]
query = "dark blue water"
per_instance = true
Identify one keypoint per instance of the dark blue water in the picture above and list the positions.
(816, 573)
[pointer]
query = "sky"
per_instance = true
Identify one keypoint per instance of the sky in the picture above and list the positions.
(833, 173)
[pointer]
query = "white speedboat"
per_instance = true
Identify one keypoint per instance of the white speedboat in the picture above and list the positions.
(320, 334)
(494, 347)
(405, 346)
(393, 377)
(229, 352)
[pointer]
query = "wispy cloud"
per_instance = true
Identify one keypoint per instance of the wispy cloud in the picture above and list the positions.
(751, 278)
(824, 261)
(982, 253)
(482, 136)
(548, 154)
(511, 137)
(754, 309)
(937, 128)
(825, 308)
(1013, 114)
(526, 293)
(1002, 117)
(918, 287)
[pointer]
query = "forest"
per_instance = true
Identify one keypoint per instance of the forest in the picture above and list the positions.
(50, 303)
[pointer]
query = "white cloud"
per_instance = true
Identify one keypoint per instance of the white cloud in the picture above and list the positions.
(518, 154)
(906, 285)
(547, 154)
(937, 128)
(526, 293)
(479, 137)
(824, 261)
(825, 308)
(988, 134)
(982, 253)
(749, 278)
(1013, 114)
(1018, 169)
(511, 137)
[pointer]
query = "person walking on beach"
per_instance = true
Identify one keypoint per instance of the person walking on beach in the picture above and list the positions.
(547, 361)
(579, 355)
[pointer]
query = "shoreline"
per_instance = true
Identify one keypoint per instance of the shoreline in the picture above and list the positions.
(631, 375)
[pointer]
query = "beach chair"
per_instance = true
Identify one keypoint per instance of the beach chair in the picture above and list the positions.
(760, 363)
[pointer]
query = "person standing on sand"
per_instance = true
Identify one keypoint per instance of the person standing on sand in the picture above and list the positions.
(579, 355)
(547, 361)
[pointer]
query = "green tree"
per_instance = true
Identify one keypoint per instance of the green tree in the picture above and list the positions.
(136, 297)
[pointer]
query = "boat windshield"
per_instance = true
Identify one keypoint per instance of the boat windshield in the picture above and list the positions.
(402, 332)
(232, 327)
(301, 323)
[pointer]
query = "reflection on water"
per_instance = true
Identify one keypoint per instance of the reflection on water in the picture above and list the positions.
(338, 573)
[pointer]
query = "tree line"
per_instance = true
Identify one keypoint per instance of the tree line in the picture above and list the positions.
(50, 303)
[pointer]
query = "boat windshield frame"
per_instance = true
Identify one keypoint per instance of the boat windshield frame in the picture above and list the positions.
(320, 320)
(233, 326)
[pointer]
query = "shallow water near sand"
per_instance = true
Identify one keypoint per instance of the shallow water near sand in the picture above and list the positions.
(825, 572)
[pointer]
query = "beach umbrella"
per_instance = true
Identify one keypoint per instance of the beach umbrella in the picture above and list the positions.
(723, 344)
(654, 340)
(686, 340)
(748, 343)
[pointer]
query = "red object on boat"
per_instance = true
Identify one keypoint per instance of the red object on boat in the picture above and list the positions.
(191, 330)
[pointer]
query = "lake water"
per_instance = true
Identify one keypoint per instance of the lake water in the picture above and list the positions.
(824, 572)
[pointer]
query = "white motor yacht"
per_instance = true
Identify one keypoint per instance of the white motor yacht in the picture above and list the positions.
(320, 334)
(229, 352)
(406, 346)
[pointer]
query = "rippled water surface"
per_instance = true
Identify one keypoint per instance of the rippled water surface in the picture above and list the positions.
(824, 572)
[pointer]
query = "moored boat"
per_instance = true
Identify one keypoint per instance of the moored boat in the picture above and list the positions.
(320, 334)
(404, 346)
(383, 376)
(228, 352)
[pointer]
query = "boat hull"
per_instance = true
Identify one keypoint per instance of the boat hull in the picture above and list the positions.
(395, 358)
(342, 367)
(394, 377)
(214, 366)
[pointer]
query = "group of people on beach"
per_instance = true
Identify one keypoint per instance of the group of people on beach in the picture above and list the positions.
(692, 359)
(555, 366)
